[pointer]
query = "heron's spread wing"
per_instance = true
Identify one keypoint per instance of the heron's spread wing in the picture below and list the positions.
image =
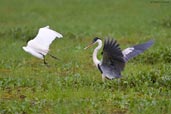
(136, 50)
(45, 37)
(113, 62)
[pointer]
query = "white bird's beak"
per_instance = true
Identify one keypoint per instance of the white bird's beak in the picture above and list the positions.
(89, 45)
(58, 35)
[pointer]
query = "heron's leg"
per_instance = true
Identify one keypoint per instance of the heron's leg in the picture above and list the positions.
(118, 80)
(53, 56)
(103, 78)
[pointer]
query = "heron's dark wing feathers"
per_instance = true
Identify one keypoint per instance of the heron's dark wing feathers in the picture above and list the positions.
(112, 52)
(136, 50)
(113, 62)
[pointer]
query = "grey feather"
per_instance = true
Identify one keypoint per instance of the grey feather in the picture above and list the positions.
(113, 61)
(136, 50)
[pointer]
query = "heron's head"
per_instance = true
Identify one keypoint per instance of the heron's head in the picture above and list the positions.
(94, 41)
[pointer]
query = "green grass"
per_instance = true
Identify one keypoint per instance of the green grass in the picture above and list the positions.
(73, 85)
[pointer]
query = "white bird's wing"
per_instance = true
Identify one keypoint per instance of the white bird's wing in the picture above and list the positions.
(44, 38)
(136, 50)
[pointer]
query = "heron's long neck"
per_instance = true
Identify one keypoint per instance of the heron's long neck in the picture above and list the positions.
(95, 60)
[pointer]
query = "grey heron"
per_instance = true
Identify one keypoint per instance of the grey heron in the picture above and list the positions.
(114, 59)
(39, 46)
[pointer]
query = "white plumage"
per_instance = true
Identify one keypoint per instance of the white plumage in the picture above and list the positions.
(39, 46)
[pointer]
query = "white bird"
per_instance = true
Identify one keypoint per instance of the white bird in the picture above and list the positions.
(39, 46)
(113, 61)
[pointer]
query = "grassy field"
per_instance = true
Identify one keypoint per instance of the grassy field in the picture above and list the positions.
(73, 85)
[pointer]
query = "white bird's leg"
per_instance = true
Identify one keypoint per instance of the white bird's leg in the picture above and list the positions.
(53, 56)
(45, 61)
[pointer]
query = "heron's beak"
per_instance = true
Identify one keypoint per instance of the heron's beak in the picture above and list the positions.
(89, 45)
